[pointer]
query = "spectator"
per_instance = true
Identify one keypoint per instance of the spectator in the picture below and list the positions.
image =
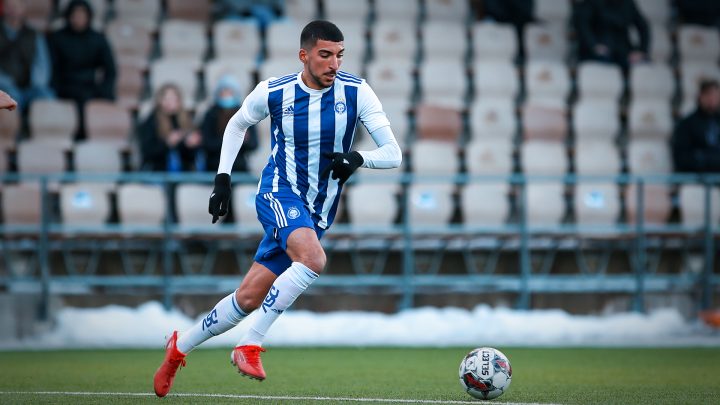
(83, 64)
(701, 12)
(603, 30)
(7, 102)
(696, 140)
(227, 101)
(24, 57)
(515, 12)
(168, 140)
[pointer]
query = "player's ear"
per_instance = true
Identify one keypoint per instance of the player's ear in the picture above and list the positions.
(303, 55)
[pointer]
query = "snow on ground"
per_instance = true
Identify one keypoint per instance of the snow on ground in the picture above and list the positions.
(148, 324)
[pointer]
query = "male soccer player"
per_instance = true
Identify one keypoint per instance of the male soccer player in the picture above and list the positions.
(313, 116)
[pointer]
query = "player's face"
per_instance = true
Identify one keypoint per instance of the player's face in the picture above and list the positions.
(322, 63)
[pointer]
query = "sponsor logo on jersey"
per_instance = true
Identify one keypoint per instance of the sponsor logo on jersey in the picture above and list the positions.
(289, 110)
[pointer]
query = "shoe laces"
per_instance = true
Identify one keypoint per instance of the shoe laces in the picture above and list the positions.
(252, 354)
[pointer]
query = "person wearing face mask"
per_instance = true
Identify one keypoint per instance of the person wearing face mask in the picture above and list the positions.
(82, 61)
(227, 100)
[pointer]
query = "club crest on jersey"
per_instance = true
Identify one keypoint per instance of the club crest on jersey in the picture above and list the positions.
(289, 110)
(340, 106)
(293, 213)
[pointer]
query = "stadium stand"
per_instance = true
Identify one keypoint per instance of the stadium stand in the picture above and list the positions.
(599, 81)
(190, 210)
(97, 157)
(430, 204)
(443, 83)
(545, 203)
(397, 11)
(451, 11)
(496, 80)
(547, 83)
(653, 81)
(655, 11)
(84, 204)
(130, 86)
(492, 41)
(131, 43)
(441, 41)
(301, 11)
(55, 120)
(495, 208)
(544, 122)
(238, 41)
(440, 123)
(394, 40)
(133, 208)
(191, 10)
(657, 205)
(553, 11)
(243, 204)
(596, 204)
(692, 206)
(596, 120)
(492, 118)
(650, 119)
(38, 13)
(145, 13)
(489, 156)
(542, 157)
(596, 157)
(371, 205)
(184, 41)
(433, 157)
(42, 156)
(698, 44)
(391, 80)
(21, 204)
(107, 121)
(343, 12)
(649, 156)
(545, 42)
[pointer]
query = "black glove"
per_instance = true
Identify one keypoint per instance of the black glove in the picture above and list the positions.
(220, 197)
(343, 165)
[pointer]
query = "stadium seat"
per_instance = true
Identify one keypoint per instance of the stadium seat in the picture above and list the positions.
(105, 120)
(599, 81)
(276, 39)
(55, 120)
(98, 157)
(698, 44)
(543, 122)
(9, 127)
(398, 117)
(547, 83)
(21, 204)
(653, 81)
(453, 11)
(545, 203)
(243, 203)
(436, 122)
(391, 79)
(341, 11)
(301, 11)
(691, 74)
(4, 162)
(485, 204)
(443, 83)
(661, 47)
(38, 13)
(183, 40)
(279, 67)
(190, 207)
(430, 204)
(133, 207)
(692, 206)
(492, 118)
(142, 12)
(596, 203)
(496, 79)
(555, 11)
(217, 68)
(541, 157)
(434, 158)
(655, 11)
(397, 10)
(441, 40)
(130, 84)
(650, 119)
(394, 40)
(596, 119)
(165, 71)
(84, 204)
(489, 157)
(657, 204)
(596, 157)
(191, 10)
(237, 41)
(494, 42)
(41, 156)
(649, 156)
(131, 43)
(545, 42)
(372, 204)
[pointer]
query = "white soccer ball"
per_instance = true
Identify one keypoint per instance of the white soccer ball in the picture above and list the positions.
(485, 373)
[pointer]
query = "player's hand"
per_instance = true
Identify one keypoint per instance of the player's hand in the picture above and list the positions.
(220, 197)
(342, 166)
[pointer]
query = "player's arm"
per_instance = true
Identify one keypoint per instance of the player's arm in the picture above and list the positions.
(253, 110)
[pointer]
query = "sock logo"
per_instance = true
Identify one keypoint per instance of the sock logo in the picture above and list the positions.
(270, 299)
(210, 320)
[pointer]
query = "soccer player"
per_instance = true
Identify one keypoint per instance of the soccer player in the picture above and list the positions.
(313, 115)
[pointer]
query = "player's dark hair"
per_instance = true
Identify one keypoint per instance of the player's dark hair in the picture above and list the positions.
(319, 29)
(708, 84)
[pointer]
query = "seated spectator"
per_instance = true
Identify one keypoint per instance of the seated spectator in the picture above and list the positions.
(168, 140)
(603, 30)
(24, 57)
(701, 12)
(227, 101)
(83, 64)
(515, 12)
(696, 140)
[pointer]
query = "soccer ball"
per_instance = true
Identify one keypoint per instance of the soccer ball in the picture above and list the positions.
(485, 373)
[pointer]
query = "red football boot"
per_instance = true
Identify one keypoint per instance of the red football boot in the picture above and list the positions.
(165, 375)
(247, 360)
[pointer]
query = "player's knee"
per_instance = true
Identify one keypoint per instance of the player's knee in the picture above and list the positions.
(246, 302)
(314, 259)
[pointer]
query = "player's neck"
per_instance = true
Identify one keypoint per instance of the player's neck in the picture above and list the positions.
(309, 82)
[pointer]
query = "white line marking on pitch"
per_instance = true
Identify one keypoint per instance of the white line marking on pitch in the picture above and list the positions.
(258, 397)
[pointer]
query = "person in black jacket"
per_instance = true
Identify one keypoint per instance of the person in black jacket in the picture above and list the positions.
(83, 63)
(603, 30)
(696, 140)
(702, 12)
(227, 101)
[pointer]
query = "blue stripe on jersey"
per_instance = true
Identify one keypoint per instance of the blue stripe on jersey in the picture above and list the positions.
(282, 80)
(348, 80)
(327, 144)
(347, 75)
(351, 114)
(300, 134)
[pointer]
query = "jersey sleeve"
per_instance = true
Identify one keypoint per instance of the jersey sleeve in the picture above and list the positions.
(253, 110)
(370, 110)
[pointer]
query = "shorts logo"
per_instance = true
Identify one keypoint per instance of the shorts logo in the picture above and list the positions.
(340, 107)
(293, 213)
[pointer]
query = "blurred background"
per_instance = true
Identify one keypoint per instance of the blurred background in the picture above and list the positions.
(558, 154)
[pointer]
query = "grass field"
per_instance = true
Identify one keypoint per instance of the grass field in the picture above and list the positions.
(562, 376)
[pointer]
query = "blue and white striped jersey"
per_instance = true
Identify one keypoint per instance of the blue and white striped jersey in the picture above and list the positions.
(305, 123)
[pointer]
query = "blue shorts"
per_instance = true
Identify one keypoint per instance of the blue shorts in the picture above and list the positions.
(280, 214)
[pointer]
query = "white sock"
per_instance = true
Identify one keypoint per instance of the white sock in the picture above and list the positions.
(222, 318)
(284, 291)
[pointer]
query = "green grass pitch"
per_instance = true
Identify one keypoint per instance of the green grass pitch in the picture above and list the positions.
(540, 375)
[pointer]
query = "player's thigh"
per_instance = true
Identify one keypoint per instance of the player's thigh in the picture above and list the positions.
(254, 287)
(304, 246)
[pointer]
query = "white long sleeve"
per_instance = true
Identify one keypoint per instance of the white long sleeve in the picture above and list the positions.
(388, 154)
(253, 110)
